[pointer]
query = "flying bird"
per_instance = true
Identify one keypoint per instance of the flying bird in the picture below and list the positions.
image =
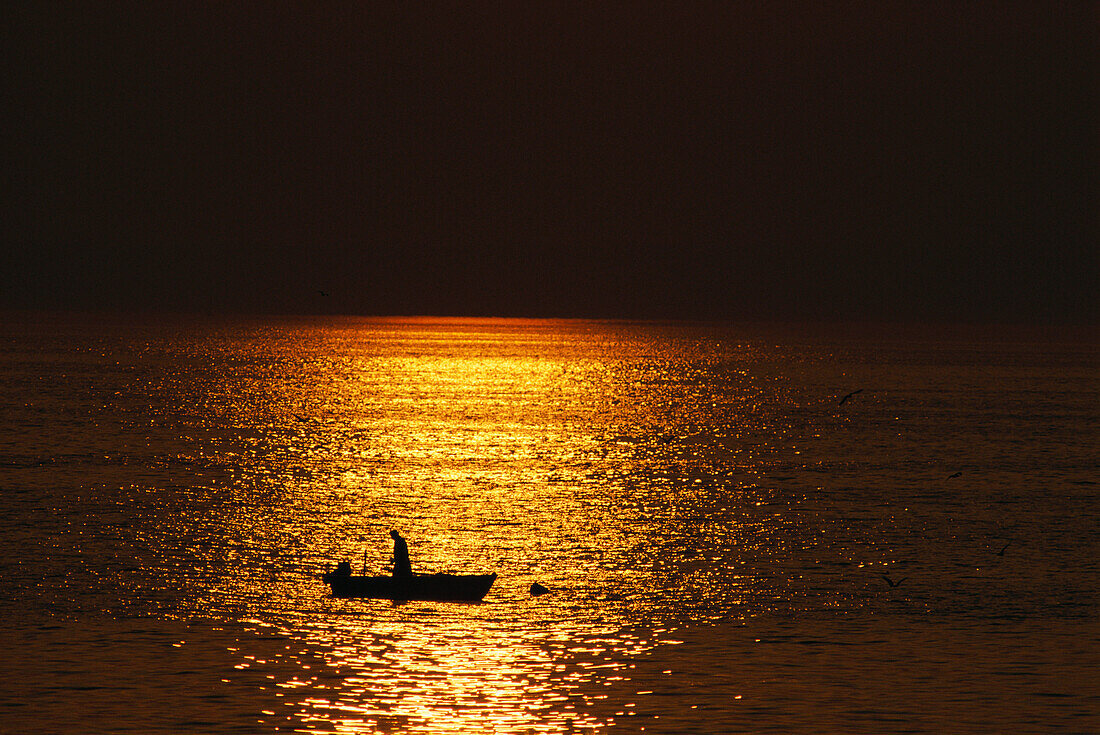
(845, 398)
(1002, 551)
(952, 477)
(892, 583)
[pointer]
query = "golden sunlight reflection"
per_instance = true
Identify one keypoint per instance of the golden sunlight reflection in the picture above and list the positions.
(454, 674)
(588, 457)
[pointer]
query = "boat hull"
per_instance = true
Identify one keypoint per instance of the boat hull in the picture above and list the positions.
(435, 587)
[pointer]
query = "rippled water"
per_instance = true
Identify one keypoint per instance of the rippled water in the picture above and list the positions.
(713, 525)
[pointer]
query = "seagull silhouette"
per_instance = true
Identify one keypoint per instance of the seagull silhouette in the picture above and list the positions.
(952, 477)
(892, 583)
(1002, 551)
(845, 398)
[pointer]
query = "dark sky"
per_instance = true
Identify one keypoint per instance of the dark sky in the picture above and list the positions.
(737, 160)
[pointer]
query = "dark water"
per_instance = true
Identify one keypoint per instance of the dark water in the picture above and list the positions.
(714, 525)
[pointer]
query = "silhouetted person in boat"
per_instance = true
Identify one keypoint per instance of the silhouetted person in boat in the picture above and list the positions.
(402, 567)
(343, 569)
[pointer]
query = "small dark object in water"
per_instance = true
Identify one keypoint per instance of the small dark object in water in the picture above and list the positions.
(1002, 551)
(952, 477)
(537, 589)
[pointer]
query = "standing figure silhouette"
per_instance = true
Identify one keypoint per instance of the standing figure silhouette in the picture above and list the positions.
(402, 567)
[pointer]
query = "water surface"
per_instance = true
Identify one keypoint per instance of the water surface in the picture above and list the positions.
(713, 523)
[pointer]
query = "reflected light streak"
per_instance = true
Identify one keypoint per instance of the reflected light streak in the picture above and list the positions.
(542, 451)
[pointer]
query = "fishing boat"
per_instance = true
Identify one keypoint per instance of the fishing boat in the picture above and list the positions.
(436, 587)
